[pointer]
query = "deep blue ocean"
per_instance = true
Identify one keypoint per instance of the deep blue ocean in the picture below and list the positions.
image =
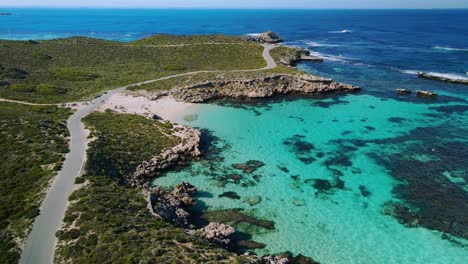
(373, 177)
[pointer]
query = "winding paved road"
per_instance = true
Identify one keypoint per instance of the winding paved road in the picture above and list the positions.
(41, 242)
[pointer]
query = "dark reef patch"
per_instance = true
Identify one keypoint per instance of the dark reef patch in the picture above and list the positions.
(397, 120)
(364, 191)
(450, 109)
(301, 148)
(346, 132)
(230, 195)
(330, 102)
(283, 169)
(430, 198)
(248, 167)
(297, 118)
(369, 128)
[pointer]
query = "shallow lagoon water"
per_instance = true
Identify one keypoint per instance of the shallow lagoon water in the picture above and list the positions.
(396, 147)
(333, 225)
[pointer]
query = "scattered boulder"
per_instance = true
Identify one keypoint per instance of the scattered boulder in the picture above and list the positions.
(422, 93)
(430, 76)
(235, 217)
(171, 205)
(402, 91)
(217, 232)
(288, 258)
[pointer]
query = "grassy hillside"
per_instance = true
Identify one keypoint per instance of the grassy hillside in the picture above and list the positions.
(76, 68)
(32, 149)
(108, 221)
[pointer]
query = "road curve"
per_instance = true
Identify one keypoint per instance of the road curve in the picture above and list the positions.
(40, 245)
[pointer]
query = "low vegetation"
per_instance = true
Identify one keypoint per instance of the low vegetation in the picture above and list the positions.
(108, 221)
(188, 80)
(284, 52)
(79, 68)
(164, 39)
(33, 145)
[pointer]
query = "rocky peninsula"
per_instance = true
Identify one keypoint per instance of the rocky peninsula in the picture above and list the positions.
(247, 89)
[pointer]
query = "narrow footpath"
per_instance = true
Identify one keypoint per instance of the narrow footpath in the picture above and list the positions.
(41, 242)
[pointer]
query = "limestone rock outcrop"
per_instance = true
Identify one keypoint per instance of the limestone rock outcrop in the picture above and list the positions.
(265, 37)
(171, 205)
(422, 93)
(177, 155)
(217, 232)
(442, 78)
(261, 87)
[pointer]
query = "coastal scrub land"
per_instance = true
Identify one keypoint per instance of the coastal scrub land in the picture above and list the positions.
(108, 220)
(34, 142)
(64, 70)
(115, 215)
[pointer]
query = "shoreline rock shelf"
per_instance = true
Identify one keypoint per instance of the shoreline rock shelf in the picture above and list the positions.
(264, 87)
(430, 76)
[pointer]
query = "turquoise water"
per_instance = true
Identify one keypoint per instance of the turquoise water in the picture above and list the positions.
(332, 164)
(339, 225)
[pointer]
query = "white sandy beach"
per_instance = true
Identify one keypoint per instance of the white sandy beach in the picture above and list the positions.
(167, 107)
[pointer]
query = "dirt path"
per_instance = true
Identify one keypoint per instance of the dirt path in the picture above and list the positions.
(41, 242)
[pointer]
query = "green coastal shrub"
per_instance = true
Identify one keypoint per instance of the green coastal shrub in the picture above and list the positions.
(22, 87)
(13, 73)
(75, 75)
(40, 55)
(49, 89)
(173, 67)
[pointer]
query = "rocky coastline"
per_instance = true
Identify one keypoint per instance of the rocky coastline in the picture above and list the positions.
(430, 76)
(298, 55)
(264, 87)
(177, 155)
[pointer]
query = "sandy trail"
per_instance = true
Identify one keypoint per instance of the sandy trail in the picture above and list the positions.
(41, 243)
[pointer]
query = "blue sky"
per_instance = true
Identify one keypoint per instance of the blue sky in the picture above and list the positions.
(243, 3)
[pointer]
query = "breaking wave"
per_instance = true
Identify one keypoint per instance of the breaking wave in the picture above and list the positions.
(317, 44)
(449, 49)
(344, 31)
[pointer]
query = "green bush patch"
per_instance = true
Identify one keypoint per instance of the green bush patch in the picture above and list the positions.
(75, 75)
(49, 89)
(173, 67)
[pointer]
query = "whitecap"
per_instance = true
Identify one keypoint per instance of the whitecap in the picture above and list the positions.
(329, 56)
(254, 34)
(438, 74)
(413, 72)
(317, 44)
(344, 31)
(449, 48)
(449, 75)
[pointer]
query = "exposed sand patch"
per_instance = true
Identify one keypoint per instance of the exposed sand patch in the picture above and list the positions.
(167, 107)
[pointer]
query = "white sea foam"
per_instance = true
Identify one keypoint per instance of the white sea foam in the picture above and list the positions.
(449, 75)
(449, 48)
(317, 44)
(329, 56)
(413, 72)
(438, 74)
(254, 34)
(344, 31)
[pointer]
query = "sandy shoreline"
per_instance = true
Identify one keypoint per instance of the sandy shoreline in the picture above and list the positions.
(167, 107)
